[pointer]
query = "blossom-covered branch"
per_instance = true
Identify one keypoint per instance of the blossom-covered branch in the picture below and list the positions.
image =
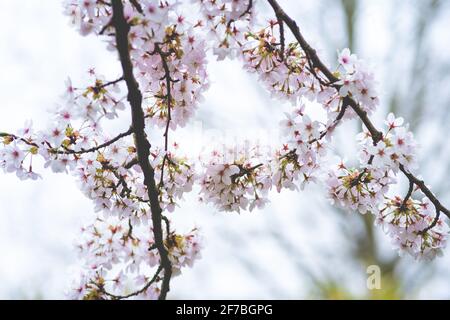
(142, 144)
(376, 135)
(101, 146)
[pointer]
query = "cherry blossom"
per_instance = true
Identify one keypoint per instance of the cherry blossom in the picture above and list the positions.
(413, 227)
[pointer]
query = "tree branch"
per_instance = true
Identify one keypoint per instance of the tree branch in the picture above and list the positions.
(141, 142)
(135, 293)
(168, 97)
(376, 134)
(426, 191)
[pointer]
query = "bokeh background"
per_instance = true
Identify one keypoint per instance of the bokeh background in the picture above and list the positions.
(299, 246)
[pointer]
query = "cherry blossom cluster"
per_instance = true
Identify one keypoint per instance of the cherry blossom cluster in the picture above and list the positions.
(109, 243)
(235, 179)
(173, 71)
(300, 158)
(89, 16)
(184, 249)
(107, 178)
(99, 100)
(414, 227)
(397, 147)
(364, 189)
(75, 127)
(113, 180)
(287, 72)
(167, 52)
(226, 22)
(283, 71)
(19, 152)
(358, 189)
(16, 156)
(120, 196)
(175, 175)
(411, 224)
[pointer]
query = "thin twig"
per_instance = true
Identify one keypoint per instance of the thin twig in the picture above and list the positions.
(101, 146)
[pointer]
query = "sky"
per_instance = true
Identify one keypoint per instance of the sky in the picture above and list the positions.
(40, 219)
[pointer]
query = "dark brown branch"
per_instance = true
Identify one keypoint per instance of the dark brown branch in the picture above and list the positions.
(243, 171)
(336, 121)
(14, 137)
(375, 133)
(110, 83)
(317, 63)
(248, 10)
(408, 195)
(433, 224)
(137, 5)
(132, 163)
(141, 141)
